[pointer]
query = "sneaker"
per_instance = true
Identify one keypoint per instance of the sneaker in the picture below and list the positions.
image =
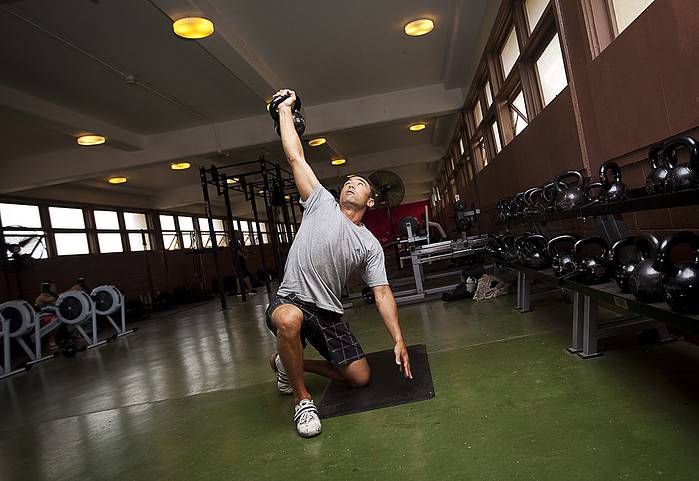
(306, 419)
(283, 384)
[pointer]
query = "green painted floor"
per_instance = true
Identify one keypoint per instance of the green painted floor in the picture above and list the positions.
(190, 396)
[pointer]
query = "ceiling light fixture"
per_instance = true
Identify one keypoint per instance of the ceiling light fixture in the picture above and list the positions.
(417, 127)
(287, 197)
(193, 27)
(232, 180)
(317, 142)
(349, 176)
(91, 140)
(419, 27)
(180, 165)
(117, 180)
(338, 161)
(261, 192)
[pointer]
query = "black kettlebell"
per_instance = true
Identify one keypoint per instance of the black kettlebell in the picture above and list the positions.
(685, 176)
(299, 121)
(624, 265)
(549, 193)
(535, 256)
(532, 199)
(562, 262)
(518, 204)
(614, 190)
(508, 250)
(569, 196)
(591, 269)
(646, 281)
(591, 197)
(680, 281)
(655, 182)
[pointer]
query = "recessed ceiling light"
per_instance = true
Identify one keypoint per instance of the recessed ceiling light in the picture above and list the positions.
(317, 142)
(338, 161)
(261, 192)
(287, 197)
(417, 127)
(180, 165)
(349, 176)
(419, 27)
(232, 180)
(193, 27)
(91, 140)
(117, 180)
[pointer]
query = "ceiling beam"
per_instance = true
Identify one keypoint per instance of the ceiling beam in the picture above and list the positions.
(84, 163)
(60, 119)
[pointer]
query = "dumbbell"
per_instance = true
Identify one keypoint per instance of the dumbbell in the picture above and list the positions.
(299, 121)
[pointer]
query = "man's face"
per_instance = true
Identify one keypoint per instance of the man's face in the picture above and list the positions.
(356, 194)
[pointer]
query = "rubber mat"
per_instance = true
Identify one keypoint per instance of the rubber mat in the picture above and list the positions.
(387, 387)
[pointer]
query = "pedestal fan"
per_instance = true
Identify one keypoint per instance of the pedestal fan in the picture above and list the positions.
(390, 191)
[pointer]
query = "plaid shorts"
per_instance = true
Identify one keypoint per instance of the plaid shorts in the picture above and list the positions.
(325, 330)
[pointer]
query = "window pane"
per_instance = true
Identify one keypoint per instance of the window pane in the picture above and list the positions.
(106, 219)
(71, 244)
(496, 137)
(203, 224)
(19, 215)
(167, 222)
(535, 9)
(170, 241)
(461, 146)
(509, 53)
(552, 72)
(66, 218)
(134, 221)
(218, 225)
(265, 238)
(488, 94)
(109, 243)
(186, 223)
(34, 243)
(518, 114)
(263, 226)
(477, 113)
(244, 226)
(222, 240)
(136, 241)
(451, 161)
(626, 11)
(189, 239)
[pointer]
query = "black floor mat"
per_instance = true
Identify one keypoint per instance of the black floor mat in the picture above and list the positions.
(386, 388)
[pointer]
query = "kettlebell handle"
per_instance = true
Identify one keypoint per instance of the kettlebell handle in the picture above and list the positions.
(577, 248)
(670, 154)
(537, 239)
(647, 245)
(594, 185)
(612, 167)
(277, 101)
(663, 259)
(619, 245)
(551, 246)
(654, 153)
(568, 173)
(529, 195)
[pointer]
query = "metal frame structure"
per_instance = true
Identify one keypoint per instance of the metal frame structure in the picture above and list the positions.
(276, 187)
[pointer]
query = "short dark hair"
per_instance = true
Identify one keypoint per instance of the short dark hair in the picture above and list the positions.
(372, 189)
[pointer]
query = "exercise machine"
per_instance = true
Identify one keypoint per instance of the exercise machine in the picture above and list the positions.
(110, 301)
(17, 320)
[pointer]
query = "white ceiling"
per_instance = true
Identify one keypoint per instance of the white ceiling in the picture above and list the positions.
(363, 82)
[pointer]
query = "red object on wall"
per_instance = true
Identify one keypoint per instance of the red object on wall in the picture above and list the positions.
(377, 222)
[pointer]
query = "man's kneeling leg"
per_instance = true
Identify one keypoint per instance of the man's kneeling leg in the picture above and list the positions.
(357, 373)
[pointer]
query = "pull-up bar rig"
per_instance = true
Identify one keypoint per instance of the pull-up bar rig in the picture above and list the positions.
(277, 188)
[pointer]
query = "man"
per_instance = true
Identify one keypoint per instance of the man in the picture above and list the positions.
(330, 244)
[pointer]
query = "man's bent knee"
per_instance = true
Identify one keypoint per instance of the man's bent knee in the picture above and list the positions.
(287, 319)
(357, 374)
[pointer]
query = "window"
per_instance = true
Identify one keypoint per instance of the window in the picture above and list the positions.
(477, 113)
(535, 9)
(518, 113)
(487, 91)
(167, 226)
(65, 222)
(496, 137)
(189, 236)
(624, 12)
(137, 231)
(482, 152)
(551, 71)
(19, 223)
(219, 231)
(451, 162)
(509, 53)
(265, 236)
(461, 146)
(108, 235)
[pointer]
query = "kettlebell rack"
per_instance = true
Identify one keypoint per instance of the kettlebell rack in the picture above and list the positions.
(588, 329)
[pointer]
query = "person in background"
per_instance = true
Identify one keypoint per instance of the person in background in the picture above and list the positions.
(47, 298)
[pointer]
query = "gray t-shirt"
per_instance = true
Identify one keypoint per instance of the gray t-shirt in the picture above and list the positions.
(328, 247)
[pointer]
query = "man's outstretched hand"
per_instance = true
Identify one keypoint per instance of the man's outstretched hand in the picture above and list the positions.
(289, 102)
(402, 359)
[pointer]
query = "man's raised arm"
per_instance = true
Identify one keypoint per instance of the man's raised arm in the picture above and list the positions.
(304, 176)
